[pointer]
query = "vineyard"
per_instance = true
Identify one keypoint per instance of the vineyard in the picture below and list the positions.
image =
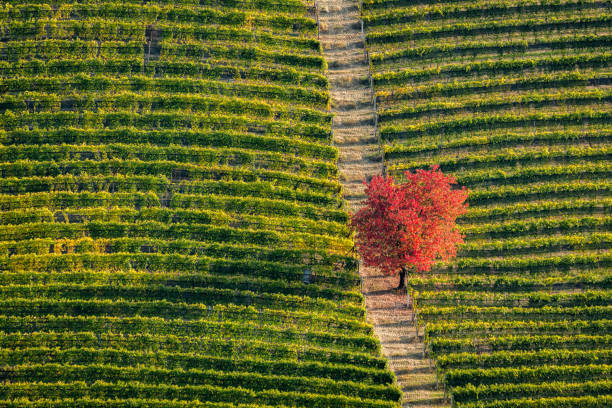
(173, 232)
(174, 183)
(513, 98)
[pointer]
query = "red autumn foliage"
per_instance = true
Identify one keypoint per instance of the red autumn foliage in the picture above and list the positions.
(409, 225)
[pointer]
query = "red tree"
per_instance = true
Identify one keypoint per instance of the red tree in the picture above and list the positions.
(411, 225)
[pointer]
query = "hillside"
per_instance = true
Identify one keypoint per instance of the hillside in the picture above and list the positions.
(513, 98)
(173, 231)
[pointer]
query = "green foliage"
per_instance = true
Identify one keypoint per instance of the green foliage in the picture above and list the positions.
(510, 98)
(172, 227)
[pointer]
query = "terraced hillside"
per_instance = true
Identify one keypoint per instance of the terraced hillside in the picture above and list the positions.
(172, 230)
(514, 99)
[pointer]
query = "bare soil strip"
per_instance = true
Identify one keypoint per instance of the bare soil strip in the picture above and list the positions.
(354, 125)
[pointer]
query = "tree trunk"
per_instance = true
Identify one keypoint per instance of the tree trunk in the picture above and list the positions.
(402, 278)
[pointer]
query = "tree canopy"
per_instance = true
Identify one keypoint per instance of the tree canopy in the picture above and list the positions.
(412, 224)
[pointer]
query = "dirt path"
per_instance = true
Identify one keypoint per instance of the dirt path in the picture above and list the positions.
(355, 136)
(354, 124)
(392, 320)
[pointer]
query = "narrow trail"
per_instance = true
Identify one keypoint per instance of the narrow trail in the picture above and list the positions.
(348, 72)
(387, 311)
(354, 133)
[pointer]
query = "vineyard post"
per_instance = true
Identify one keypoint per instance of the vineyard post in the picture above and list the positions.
(316, 10)
(407, 298)
(360, 278)
(437, 375)
(332, 126)
(149, 43)
(381, 151)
